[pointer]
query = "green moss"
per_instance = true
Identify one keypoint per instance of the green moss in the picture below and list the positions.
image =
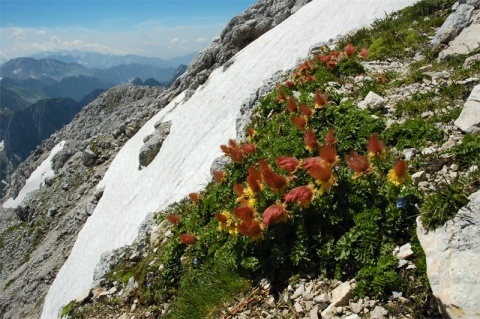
(467, 153)
(67, 309)
(415, 132)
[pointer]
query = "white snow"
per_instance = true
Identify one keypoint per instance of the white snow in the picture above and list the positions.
(2, 145)
(36, 178)
(199, 126)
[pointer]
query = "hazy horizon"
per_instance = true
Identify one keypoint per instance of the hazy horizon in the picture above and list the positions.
(161, 29)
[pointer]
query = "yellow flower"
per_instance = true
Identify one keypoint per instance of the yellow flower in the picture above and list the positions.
(399, 174)
(225, 222)
(323, 176)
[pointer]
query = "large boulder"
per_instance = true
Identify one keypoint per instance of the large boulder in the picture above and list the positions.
(454, 24)
(453, 256)
(153, 143)
(469, 119)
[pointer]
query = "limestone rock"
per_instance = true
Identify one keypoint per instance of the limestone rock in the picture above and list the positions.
(377, 313)
(471, 60)
(454, 24)
(466, 42)
(453, 255)
(153, 143)
(341, 294)
(419, 177)
(469, 119)
(89, 157)
(373, 101)
(405, 251)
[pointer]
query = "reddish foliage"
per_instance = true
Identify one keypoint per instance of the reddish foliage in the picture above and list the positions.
(238, 189)
(330, 138)
(350, 50)
(219, 176)
(249, 148)
(243, 212)
(299, 122)
(311, 161)
(320, 99)
(274, 214)
(328, 154)
(225, 149)
(358, 163)
(281, 95)
(401, 168)
(375, 146)
(290, 164)
(173, 219)
(302, 195)
(250, 228)
(320, 173)
(310, 140)
(187, 239)
(275, 181)
(306, 110)
(291, 105)
(290, 84)
(221, 218)
(195, 197)
(363, 53)
(236, 155)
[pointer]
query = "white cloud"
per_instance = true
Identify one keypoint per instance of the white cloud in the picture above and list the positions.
(147, 38)
(201, 40)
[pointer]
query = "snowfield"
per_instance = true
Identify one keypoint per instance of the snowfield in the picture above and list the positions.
(198, 128)
(36, 179)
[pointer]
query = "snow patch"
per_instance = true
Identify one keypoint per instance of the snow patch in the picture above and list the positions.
(36, 179)
(199, 126)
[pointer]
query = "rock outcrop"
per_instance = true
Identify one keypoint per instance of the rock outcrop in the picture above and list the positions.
(459, 33)
(239, 32)
(153, 143)
(469, 119)
(453, 256)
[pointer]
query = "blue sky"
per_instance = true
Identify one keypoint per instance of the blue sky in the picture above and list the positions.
(146, 27)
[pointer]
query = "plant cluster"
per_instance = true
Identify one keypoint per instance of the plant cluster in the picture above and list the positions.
(292, 202)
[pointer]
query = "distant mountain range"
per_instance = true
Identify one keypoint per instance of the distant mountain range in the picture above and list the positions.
(39, 96)
(105, 61)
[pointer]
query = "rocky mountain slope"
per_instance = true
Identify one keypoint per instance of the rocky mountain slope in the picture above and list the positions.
(34, 248)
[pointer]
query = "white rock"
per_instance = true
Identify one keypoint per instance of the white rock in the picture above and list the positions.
(123, 316)
(470, 61)
(314, 313)
(453, 255)
(373, 101)
(419, 177)
(469, 119)
(298, 307)
(83, 296)
(377, 313)
(409, 153)
(299, 292)
(354, 316)
(405, 251)
(329, 312)
(322, 298)
(341, 294)
(466, 42)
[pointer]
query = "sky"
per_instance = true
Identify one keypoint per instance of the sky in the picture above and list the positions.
(157, 28)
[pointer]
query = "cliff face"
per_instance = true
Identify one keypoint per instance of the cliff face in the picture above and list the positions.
(36, 237)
